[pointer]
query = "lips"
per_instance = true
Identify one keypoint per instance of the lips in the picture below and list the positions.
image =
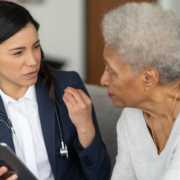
(31, 74)
(110, 95)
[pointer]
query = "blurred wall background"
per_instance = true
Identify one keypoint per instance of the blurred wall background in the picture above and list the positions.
(171, 4)
(70, 32)
(62, 31)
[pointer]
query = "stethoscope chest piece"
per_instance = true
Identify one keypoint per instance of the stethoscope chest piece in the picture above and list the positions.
(64, 150)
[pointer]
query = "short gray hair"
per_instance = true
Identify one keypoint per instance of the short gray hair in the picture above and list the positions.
(145, 35)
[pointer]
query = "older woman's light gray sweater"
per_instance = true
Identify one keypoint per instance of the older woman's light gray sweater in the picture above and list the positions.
(137, 157)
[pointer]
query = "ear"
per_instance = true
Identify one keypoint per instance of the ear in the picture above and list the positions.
(150, 78)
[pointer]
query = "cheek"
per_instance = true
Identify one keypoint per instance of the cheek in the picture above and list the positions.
(119, 86)
(6, 65)
(123, 90)
(37, 56)
(11, 68)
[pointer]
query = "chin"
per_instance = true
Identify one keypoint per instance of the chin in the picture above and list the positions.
(30, 82)
(33, 82)
(118, 104)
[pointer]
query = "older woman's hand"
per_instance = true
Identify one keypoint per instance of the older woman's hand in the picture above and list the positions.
(79, 106)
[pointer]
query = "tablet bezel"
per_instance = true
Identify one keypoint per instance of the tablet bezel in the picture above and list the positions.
(20, 169)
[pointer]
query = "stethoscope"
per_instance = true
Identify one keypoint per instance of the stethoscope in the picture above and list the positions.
(63, 149)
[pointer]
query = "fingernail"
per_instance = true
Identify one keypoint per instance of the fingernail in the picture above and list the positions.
(4, 169)
(14, 177)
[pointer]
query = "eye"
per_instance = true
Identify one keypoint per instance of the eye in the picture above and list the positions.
(17, 53)
(109, 72)
(37, 46)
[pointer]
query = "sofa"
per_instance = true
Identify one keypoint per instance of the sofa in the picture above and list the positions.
(107, 116)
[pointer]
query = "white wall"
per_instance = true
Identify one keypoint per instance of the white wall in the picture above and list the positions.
(171, 4)
(62, 31)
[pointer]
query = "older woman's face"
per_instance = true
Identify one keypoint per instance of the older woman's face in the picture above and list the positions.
(124, 89)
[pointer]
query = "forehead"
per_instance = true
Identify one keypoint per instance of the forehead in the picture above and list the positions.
(112, 59)
(110, 52)
(26, 35)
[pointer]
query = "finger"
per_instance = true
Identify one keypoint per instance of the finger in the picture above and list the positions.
(76, 94)
(3, 170)
(13, 177)
(84, 96)
(70, 98)
(68, 104)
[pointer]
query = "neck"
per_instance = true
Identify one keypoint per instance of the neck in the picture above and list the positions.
(14, 91)
(160, 102)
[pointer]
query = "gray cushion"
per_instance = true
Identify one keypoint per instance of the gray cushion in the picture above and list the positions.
(107, 116)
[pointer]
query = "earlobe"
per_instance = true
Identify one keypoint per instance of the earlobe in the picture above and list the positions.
(151, 78)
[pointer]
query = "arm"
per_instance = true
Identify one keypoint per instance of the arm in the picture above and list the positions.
(95, 161)
(123, 169)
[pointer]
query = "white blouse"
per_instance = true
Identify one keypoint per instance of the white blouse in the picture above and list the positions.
(24, 117)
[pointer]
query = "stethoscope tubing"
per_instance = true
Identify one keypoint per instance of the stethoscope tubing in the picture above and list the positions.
(7, 120)
(8, 123)
(58, 121)
(63, 150)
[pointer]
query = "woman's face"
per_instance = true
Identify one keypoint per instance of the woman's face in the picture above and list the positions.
(124, 89)
(20, 58)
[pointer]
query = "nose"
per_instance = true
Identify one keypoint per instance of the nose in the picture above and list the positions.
(104, 79)
(31, 60)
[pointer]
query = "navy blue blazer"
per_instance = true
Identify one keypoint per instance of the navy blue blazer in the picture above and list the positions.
(92, 163)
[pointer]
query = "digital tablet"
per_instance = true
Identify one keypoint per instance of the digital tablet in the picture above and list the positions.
(14, 164)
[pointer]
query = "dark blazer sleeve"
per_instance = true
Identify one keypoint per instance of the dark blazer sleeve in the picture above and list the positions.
(95, 161)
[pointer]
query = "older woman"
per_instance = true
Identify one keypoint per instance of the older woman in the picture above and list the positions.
(142, 57)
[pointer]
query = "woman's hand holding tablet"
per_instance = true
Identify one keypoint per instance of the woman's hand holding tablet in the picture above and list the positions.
(3, 170)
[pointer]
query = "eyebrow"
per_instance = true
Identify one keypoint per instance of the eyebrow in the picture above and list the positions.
(18, 48)
(108, 64)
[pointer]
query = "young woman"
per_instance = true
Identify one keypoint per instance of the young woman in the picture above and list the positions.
(28, 88)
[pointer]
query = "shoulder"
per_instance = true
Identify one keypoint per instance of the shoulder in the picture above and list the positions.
(66, 78)
(128, 119)
(65, 74)
(127, 126)
(129, 114)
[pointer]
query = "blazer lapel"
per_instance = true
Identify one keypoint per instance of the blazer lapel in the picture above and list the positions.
(5, 132)
(47, 118)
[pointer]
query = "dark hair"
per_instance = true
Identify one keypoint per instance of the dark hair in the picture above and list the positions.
(13, 18)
